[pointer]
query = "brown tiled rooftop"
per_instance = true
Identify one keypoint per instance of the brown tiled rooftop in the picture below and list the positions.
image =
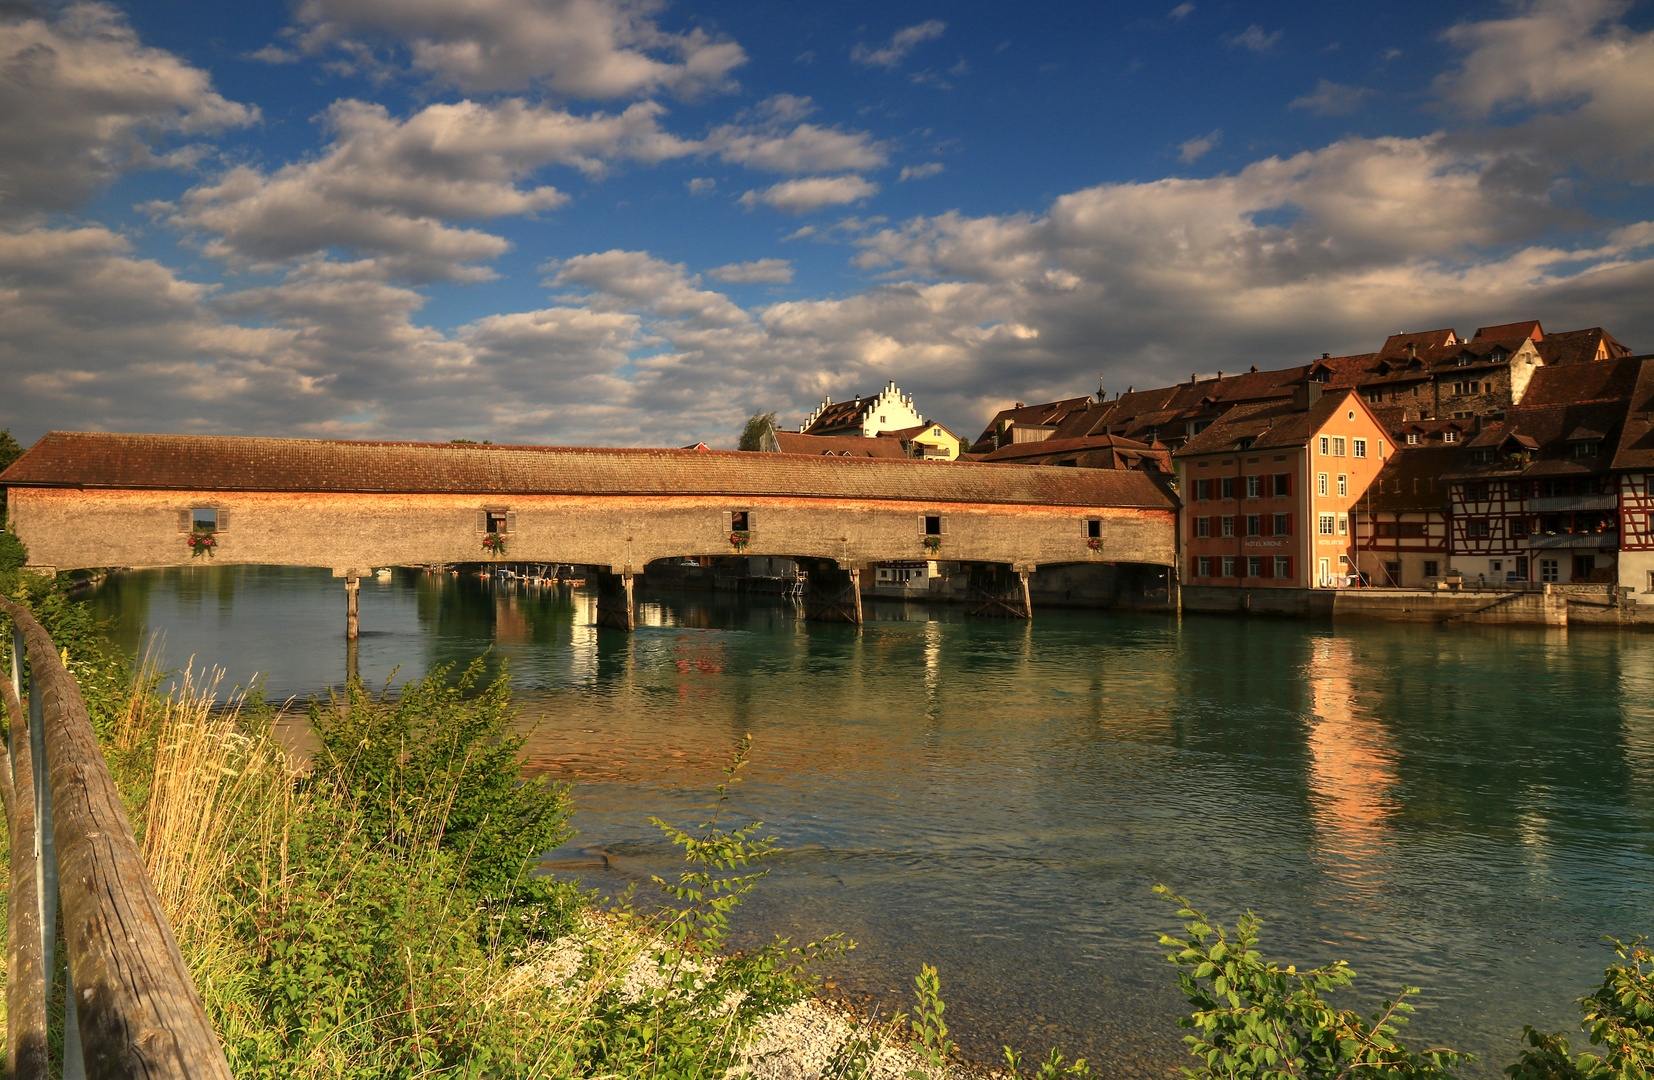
(214, 463)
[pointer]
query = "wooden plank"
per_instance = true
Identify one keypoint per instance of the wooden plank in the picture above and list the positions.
(25, 970)
(138, 1010)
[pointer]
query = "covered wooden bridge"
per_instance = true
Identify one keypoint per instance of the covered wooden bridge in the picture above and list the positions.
(82, 499)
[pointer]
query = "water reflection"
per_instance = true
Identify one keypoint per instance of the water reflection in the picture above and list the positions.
(1462, 809)
(1352, 767)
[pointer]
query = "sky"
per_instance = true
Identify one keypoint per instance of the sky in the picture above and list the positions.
(631, 222)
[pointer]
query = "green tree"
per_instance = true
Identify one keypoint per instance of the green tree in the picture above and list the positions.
(10, 449)
(758, 425)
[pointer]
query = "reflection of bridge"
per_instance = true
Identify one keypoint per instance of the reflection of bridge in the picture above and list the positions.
(85, 500)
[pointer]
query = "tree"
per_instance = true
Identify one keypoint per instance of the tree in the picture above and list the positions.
(758, 425)
(10, 450)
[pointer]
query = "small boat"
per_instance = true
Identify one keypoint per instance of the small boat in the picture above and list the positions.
(383, 573)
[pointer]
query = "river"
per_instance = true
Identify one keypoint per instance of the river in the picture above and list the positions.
(1468, 810)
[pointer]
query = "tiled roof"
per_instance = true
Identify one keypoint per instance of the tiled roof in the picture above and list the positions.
(1581, 346)
(1038, 415)
(1636, 444)
(1396, 344)
(1528, 328)
(839, 416)
(791, 442)
(211, 463)
(1269, 425)
(1598, 380)
(1549, 430)
(1409, 480)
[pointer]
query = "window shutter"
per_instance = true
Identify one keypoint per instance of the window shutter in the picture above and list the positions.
(1266, 524)
(942, 525)
(729, 521)
(1085, 529)
(923, 531)
(511, 521)
(752, 522)
(186, 520)
(223, 519)
(482, 521)
(1289, 526)
(1266, 567)
(1289, 572)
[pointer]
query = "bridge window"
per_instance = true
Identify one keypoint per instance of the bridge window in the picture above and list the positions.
(740, 520)
(933, 525)
(203, 519)
(1094, 528)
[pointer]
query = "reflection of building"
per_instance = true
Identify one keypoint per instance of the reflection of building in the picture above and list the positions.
(1352, 769)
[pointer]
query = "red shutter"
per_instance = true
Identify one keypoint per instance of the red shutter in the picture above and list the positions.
(1266, 524)
(1288, 525)
(1289, 572)
(1266, 567)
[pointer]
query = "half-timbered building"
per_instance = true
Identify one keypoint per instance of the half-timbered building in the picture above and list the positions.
(1633, 473)
(1401, 523)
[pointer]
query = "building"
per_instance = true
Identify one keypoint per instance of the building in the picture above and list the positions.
(890, 411)
(1270, 490)
(1534, 496)
(1633, 472)
(791, 442)
(1401, 522)
(1085, 452)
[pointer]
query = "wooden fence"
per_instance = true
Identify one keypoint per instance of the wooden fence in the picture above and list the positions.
(130, 1006)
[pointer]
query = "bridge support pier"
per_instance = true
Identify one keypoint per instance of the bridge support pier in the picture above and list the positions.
(832, 594)
(353, 595)
(614, 600)
(998, 591)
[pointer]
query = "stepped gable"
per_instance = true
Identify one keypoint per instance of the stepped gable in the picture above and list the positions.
(1597, 380)
(1528, 328)
(199, 463)
(1581, 346)
(1410, 480)
(793, 442)
(838, 416)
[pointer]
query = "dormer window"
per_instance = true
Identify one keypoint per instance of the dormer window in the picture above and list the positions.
(1320, 375)
(1450, 436)
(1585, 448)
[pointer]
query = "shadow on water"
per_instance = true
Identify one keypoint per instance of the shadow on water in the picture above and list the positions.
(1466, 810)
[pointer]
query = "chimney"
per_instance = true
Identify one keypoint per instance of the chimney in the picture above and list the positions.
(1412, 351)
(1220, 374)
(1326, 356)
(1254, 369)
(1191, 378)
(1019, 404)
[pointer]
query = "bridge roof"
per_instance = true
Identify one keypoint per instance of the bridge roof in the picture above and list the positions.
(220, 463)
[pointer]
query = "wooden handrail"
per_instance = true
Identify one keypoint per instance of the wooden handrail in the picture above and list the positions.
(26, 1056)
(136, 1006)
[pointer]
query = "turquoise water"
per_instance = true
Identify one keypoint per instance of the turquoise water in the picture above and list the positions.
(1465, 810)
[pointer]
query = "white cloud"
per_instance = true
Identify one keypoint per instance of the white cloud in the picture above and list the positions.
(1332, 99)
(758, 272)
(1255, 38)
(1194, 149)
(812, 193)
(629, 280)
(919, 172)
(1578, 79)
(1180, 12)
(771, 138)
(578, 48)
(891, 54)
(389, 187)
(701, 185)
(81, 100)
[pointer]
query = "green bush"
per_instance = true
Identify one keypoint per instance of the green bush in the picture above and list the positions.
(1618, 1016)
(1255, 1020)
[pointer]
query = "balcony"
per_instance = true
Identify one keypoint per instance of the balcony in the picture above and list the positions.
(1551, 504)
(1593, 541)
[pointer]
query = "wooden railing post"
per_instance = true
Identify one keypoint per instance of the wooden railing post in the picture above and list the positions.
(131, 999)
(26, 1057)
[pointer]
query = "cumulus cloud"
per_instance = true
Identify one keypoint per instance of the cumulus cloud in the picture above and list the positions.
(630, 280)
(81, 100)
(576, 48)
(772, 137)
(919, 172)
(1579, 81)
(701, 185)
(812, 193)
(1255, 38)
(390, 188)
(757, 272)
(1180, 12)
(1194, 149)
(891, 54)
(1333, 99)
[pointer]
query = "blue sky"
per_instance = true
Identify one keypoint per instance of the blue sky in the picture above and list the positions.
(604, 221)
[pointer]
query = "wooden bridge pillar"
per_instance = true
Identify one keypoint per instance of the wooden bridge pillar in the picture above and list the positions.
(614, 600)
(998, 591)
(832, 594)
(353, 595)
